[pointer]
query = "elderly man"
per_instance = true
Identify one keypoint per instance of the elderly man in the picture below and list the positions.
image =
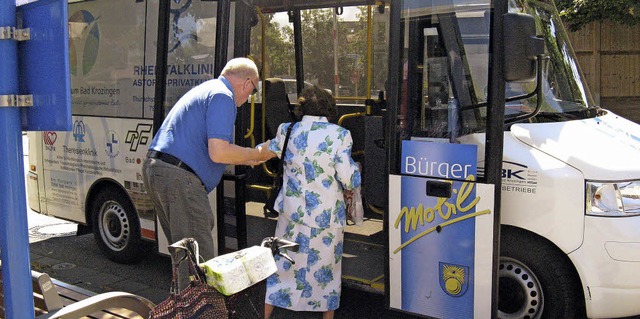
(188, 155)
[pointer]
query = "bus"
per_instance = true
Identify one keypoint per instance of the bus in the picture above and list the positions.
(419, 84)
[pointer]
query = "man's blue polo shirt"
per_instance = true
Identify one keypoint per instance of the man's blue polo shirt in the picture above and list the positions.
(206, 111)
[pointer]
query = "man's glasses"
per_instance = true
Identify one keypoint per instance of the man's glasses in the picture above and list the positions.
(255, 90)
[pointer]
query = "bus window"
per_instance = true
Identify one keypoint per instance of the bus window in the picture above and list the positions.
(191, 47)
(445, 60)
(341, 64)
(113, 65)
(107, 58)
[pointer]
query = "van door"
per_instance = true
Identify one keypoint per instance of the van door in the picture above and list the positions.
(440, 220)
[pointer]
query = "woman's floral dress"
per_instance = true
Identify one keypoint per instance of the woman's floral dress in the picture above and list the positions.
(318, 166)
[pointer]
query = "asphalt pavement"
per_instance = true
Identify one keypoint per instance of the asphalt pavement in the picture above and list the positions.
(55, 249)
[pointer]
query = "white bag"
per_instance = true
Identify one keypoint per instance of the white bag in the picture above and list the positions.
(355, 210)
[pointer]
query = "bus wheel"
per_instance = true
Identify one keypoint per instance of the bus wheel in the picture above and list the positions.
(116, 227)
(536, 280)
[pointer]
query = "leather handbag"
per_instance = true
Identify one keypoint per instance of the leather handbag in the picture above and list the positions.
(269, 205)
(198, 300)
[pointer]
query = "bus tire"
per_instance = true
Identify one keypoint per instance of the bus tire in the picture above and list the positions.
(116, 227)
(536, 279)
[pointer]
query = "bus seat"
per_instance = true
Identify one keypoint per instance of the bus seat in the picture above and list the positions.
(277, 107)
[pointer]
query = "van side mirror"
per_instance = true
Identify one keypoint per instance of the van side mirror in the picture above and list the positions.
(522, 47)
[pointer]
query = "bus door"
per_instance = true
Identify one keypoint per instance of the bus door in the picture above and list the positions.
(440, 219)
(187, 47)
(340, 46)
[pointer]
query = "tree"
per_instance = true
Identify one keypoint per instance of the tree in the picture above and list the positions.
(578, 13)
(279, 50)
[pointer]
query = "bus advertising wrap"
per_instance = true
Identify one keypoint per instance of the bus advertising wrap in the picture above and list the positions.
(440, 249)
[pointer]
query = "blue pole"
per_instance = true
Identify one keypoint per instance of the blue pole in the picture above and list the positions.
(14, 237)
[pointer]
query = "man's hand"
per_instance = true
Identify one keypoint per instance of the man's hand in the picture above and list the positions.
(265, 153)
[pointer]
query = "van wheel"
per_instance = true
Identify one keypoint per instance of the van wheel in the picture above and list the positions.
(536, 280)
(116, 227)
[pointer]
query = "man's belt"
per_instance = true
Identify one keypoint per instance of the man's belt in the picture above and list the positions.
(170, 159)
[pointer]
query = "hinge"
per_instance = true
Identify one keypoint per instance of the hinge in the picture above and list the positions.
(12, 100)
(11, 33)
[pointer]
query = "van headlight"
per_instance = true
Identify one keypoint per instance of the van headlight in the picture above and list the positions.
(613, 199)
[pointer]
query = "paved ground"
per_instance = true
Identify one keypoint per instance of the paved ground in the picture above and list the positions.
(77, 260)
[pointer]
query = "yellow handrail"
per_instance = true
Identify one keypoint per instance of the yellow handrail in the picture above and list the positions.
(263, 54)
(251, 120)
(350, 115)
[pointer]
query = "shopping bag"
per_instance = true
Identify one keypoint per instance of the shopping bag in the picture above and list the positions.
(355, 210)
(198, 300)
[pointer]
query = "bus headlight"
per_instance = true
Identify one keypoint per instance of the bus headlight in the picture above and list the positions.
(613, 199)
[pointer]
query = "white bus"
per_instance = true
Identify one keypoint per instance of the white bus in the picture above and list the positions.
(92, 175)
(569, 212)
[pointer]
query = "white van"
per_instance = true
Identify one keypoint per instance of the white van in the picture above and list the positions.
(570, 193)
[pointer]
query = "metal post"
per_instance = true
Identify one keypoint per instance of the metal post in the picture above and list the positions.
(297, 40)
(495, 134)
(14, 238)
(162, 53)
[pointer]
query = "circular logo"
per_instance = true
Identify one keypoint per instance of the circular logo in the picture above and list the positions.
(84, 35)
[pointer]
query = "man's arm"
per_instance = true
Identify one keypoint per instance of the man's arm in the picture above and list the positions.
(221, 151)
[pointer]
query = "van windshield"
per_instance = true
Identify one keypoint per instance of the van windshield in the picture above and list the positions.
(565, 93)
(445, 66)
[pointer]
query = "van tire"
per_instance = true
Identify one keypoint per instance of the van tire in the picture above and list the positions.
(537, 280)
(116, 227)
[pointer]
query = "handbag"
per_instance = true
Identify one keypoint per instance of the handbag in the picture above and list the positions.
(269, 206)
(198, 300)
(355, 210)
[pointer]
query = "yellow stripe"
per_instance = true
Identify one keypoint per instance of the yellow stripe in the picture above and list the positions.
(447, 223)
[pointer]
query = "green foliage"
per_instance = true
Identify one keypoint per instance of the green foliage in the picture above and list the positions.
(279, 52)
(578, 13)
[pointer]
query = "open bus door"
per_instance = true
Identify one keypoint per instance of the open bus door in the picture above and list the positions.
(440, 222)
(447, 93)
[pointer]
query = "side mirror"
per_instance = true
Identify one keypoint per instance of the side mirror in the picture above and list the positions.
(522, 47)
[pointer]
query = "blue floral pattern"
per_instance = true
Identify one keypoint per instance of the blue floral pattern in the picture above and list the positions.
(333, 300)
(318, 167)
(323, 276)
(282, 298)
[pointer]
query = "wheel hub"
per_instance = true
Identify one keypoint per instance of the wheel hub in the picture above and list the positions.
(114, 226)
(520, 293)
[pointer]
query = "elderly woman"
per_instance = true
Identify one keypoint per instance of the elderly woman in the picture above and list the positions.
(317, 168)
